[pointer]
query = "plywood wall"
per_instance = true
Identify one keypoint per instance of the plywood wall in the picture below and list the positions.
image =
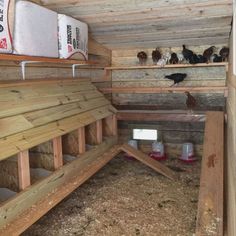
(231, 150)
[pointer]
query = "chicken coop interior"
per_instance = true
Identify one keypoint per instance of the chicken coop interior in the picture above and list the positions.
(117, 117)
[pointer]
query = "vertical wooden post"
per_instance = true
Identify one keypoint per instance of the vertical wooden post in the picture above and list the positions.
(94, 133)
(23, 169)
(98, 131)
(81, 140)
(57, 152)
(110, 126)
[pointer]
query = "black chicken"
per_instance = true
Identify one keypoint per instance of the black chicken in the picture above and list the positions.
(177, 77)
(156, 55)
(202, 59)
(224, 52)
(208, 53)
(174, 58)
(191, 102)
(194, 59)
(217, 58)
(142, 56)
(187, 53)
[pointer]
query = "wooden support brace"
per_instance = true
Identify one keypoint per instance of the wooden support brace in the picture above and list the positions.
(94, 133)
(57, 153)
(81, 140)
(110, 126)
(210, 202)
(23, 170)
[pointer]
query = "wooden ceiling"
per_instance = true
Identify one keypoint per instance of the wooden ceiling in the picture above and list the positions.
(151, 23)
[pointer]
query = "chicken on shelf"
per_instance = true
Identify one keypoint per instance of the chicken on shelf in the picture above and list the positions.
(209, 52)
(177, 78)
(224, 53)
(156, 56)
(142, 56)
(187, 53)
(174, 58)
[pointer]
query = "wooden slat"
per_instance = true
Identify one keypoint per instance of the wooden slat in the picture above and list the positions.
(28, 206)
(160, 168)
(30, 138)
(81, 136)
(142, 115)
(23, 170)
(94, 133)
(19, 58)
(166, 66)
(57, 152)
(143, 90)
(210, 203)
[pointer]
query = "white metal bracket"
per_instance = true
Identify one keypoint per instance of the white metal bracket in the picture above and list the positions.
(74, 67)
(23, 66)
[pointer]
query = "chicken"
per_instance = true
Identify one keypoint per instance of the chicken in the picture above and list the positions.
(208, 53)
(224, 52)
(194, 59)
(201, 59)
(174, 59)
(177, 77)
(142, 56)
(187, 53)
(191, 102)
(216, 58)
(156, 56)
(180, 57)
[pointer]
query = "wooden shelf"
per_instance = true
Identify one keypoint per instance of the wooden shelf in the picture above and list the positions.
(167, 66)
(144, 90)
(20, 58)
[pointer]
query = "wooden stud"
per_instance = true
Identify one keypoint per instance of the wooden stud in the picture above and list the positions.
(110, 126)
(94, 133)
(210, 203)
(23, 169)
(57, 153)
(81, 140)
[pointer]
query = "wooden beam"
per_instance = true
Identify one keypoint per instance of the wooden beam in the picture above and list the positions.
(110, 126)
(81, 140)
(57, 152)
(28, 206)
(143, 90)
(142, 115)
(166, 66)
(93, 133)
(210, 203)
(23, 170)
(155, 165)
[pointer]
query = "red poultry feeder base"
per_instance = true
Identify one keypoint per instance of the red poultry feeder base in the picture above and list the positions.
(157, 156)
(190, 159)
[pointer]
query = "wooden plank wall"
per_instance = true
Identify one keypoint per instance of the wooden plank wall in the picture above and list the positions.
(231, 150)
(173, 135)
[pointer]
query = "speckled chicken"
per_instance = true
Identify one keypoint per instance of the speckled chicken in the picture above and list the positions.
(224, 52)
(191, 102)
(177, 78)
(187, 53)
(209, 52)
(156, 55)
(174, 58)
(142, 56)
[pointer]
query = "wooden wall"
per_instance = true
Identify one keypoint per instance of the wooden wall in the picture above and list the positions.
(231, 150)
(174, 134)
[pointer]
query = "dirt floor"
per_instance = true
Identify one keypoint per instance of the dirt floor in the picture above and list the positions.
(127, 198)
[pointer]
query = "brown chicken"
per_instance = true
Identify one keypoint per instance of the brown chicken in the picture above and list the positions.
(191, 102)
(224, 52)
(142, 56)
(174, 59)
(208, 53)
(156, 56)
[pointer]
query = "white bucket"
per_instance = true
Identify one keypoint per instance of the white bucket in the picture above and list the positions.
(158, 147)
(187, 152)
(133, 143)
